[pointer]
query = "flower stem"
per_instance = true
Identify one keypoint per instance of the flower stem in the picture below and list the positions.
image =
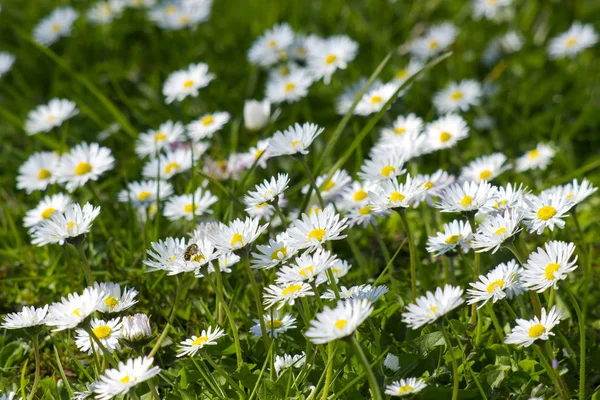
(556, 379)
(259, 308)
(497, 325)
(375, 392)
(533, 296)
(105, 353)
(312, 182)
(382, 246)
(512, 312)
(476, 263)
(329, 371)
(86, 266)
(36, 353)
(280, 213)
(454, 364)
(414, 256)
(581, 320)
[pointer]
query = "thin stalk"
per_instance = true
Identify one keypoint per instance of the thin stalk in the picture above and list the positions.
(375, 392)
(105, 353)
(414, 257)
(476, 266)
(312, 181)
(533, 296)
(259, 308)
(454, 364)
(209, 379)
(36, 353)
(497, 325)
(512, 312)
(86, 266)
(153, 390)
(581, 320)
(556, 379)
(165, 332)
(281, 216)
(382, 246)
(329, 370)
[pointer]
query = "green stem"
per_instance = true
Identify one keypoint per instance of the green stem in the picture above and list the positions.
(581, 320)
(86, 266)
(281, 216)
(382, 246)
(512, 312)
(414, 257)
(259, 308)
(476, 265)
(312, 181)
(329, 370)
(105, 353)
(375, 392)
(497, 325)
(36, 353)
(556, 379)
(533, 296)
(454, 364)
(153, 390)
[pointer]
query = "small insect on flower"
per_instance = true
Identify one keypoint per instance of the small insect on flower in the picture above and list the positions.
(26, 318)
(276, 324)
(46, 117)
(572, 42)
(445, 132)
(69, 225)
(152, 142)
(528, 331)
(342, 321)
(546, 211)
(496, 285)
(496, 230)
(469, 196)
(44, 210)
(289, 361)
(116, 300)
(458, 96)
(432, 306)
(190, 347)
(313, 231)
(325, 56)
(107, 332)
(83, 163)
(546, 267)
(126, 376)
(70, 311)
(55, 26)
(484, 168)
(187, 82)
(272, 46)
(538, 158)
(405, 387)
(285, 294)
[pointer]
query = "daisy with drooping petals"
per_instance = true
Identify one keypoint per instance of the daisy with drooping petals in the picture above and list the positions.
(342, 321)
(455, 235)
(145, 193)
(489, 9)
(458, 96)
(285, 294)
(538, 158)
(46, 117)
(306, 267)
(208, 337)
(575, 192)
(313, 231)
(484, 168)
(70, 311)
(237, 234)
(273, 254)
(432, 306)
(189, 206)
(546, 267)
(528, 331)
(496, 230)
(289, 361)
(334, 186)
(410, 124)
(289, 88)
(325, 56)
(296, 139)
(275, 325)
(55, 26)
(375, 98)
(116, 300)
(382, 165)
(136, 327)
(107, 332)
(169, 164)
(123, 378)
(493, 286)
(205, 126)
(405, 387)
(68, 225)
(445, 132)
(434, 185)
(187, 82)
(152, 142)
(6, 62)
(368, 292)
(365, 215)
(268, 191)
(546, 211)
(272, 46)
(572, 42)
(354, 196)
(469, 196)
(83, 163)
(44, 210)
(390, 194)
(165, 254)
(437, 39)
(507, 198)
(26, 318)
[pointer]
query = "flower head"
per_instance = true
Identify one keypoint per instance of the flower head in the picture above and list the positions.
(107, 332)
(546, 211)
(55, 26)
(205, 126)
(496, 285)
(528, 331)
(432, 306)
(314, 230)
(469, 196)
(454, 236)
(458, 96)
(152, 142)
(116, 300)
(83, 163)
(209, 337)
(256, 114)
(68, 225)
(44, 210)
(289, 361)
(546, 267)
(484, 168)
(437, 39)
(189, 206)
(538, 158)
(331, 324)
(285, 294)
(445, 132)
(496, 230)
(73, 309)
(276, 324)
(46, 117)
(126, 376)
(272, 46)
(325, 56)
(572, 42)
(405, 387)
(187, 82)
(237, 234)
(26, 318)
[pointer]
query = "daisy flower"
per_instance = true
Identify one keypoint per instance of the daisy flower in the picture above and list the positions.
(432, 306)
(375, 98)
(371, 293)
(469, 196)
(437, 39)
(187, 82)
(458, 96)
(105, 12)
(342, 321)
(410, 124)
(391, 362)
(205, 126)
(572, 42)
(312, 231)
(197, 253)
(289, 361)
(493, 286)
(268, 191)
(83, 163)
(405, 387)
(325, 56)
(365, 215)
(506, 198)
(306, 267)
(285, 294)
(70, 311)
(275, 253)
(165, 254)
(107, 332)
(382, 166)
(154, 141)
(117, 300)
(275, 324)
(575, 192)
(338, 269)
(256, 114)
(46, 117)
(355, 195)
(390, 194)
(136, 327)
(495, 230)
(445, 132)
(484, 168)
(26, 318)
(169, 164)
(295, 139)
(546, 267)
(6, 62)
(261, 152)
(334, 187)
(55, 26)
(44, 210)
(68, 225)
(455, 235)
(182, 14)
(237, 234)
(290, 88)
(209, 337)
(538, 158)
(272, 46)
(145, 193)
(489, 9)
(345, 100)
(404, 74)
(528, 331)
(123, 378)
(546, 211)
(189, 206)
(434, 185)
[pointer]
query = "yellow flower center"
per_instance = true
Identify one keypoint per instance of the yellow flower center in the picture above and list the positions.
(50, 118)
(284, 71)
(457, 95)
(496, 284)
(47, 213)
(188, 208)
(570, 196)
(485, 174)
(403, 73)
(533, 154)
(500, 231)
(289, 87)
(170, 9)
(360, 195)
(304, 272)
(405, 389)
(445, 136)
(428, 185)
(275, 324)
(170, 167)
(452, 239)
(188, 84)
(399, 130)
(272, 43)
(125, 379)
(279, 254)
(144, 195)
(200, 341)
(546, 212)
(295, 143)
(433, 44)
(365, 210)
(55, 28)
(537, 331)
(387, 170)
(102, 332)
(376, 99)
(111, 302)
(397, 196)
(571, 42)
(237, 238)
(44, 174)
(291, 289)
(316, 234)
(341, 323)
(159, 137)
(330, 59)
(258, 153)
(433, 308)
(185, 19)
(70, 225)
(466, 201)
(207, 120)
(329, 185)
(76, 312)
(315, 210)
(83, 168)
(197, 257)
(550, 270)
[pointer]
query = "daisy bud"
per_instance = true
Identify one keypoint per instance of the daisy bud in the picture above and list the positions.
(136, 327)
(256, 114)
